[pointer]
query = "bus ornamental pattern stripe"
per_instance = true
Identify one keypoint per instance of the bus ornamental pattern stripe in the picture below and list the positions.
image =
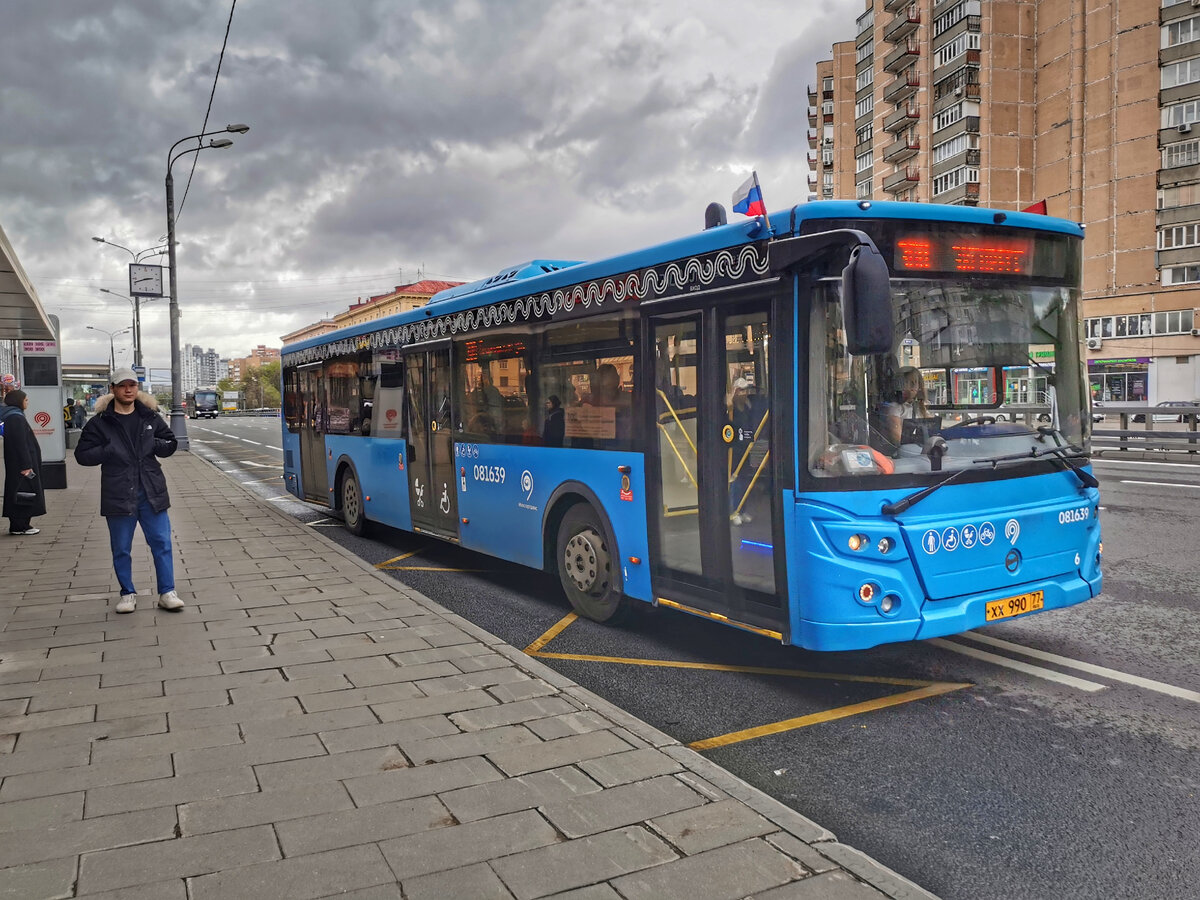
(678, 277)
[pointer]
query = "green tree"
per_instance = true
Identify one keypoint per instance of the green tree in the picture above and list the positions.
(261, 386)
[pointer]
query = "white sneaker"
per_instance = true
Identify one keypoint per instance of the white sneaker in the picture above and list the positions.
(170, 600)
(127, 603)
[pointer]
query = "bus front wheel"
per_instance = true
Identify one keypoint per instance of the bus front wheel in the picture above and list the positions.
(353, 515)
(585, 567)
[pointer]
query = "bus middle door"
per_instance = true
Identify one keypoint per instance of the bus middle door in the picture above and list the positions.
(431, 491)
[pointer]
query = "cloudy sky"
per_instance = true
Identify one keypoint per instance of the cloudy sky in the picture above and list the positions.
(389, 139)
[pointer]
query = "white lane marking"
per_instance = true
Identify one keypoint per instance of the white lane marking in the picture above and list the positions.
(324, 523)
(1091, 668)
(1131, 462)
(246, 462)
(1163, 484)
(269, 447)
(248, 441)
(280, 499)
(1037, 671)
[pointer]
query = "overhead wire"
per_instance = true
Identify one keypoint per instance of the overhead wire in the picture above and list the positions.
(211, 94)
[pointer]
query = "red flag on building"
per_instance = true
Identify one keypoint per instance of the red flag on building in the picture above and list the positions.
(1039, 208)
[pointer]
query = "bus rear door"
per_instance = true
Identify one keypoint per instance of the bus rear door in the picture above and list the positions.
(314, 476)
(431, 486)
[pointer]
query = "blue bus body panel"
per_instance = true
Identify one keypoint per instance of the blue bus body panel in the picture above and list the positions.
(380, 467)
(291, 463)
(958, 549)
(504, 491)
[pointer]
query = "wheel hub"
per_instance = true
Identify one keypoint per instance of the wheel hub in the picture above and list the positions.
(586, 562)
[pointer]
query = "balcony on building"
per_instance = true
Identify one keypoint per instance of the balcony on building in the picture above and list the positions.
(812, 95)
(904, 147)
(903, 24)
(893, 5)
(904, 55)
(902, 117)
(812, 116)
(812, 158)
(902, 179)
(812, 179)
(812, 138)
(903, 87)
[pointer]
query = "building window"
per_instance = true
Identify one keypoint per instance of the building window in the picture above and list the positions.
(864, 106)
(864, 134)
(864, 161)
(952, 17)
(1175, 236)
(865, 21)
(862, 190)
(1181, 114)
(1181, 195)
(956, 48)
(864, 51)
(827, 180)
(1185, 153)
(827, 156)
(956, 145)
(948, 116)
(865, 77)
(827, 83)
(1186, 71)
(1181, 275)
(1182, 32)
(955, 178)
(1143, 324)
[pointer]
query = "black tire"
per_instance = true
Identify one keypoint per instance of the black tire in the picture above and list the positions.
(353, 515)
(586, 567)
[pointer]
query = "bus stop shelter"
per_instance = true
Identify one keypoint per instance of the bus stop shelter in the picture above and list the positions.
(32, 353)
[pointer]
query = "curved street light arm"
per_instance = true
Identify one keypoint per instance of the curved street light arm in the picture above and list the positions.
(234, 129)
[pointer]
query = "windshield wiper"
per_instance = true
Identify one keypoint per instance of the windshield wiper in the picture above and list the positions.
(1060, 453)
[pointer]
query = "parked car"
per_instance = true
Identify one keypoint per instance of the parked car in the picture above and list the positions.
(1167, 416)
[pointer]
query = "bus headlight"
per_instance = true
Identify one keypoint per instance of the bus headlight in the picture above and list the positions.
(857, 541)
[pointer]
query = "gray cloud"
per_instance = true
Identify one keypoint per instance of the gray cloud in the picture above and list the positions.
(455, 135)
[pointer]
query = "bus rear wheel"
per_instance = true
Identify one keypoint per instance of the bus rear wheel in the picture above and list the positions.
(585, 567)
(353, 515)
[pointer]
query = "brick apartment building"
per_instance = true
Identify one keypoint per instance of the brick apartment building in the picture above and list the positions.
(1091, 106)
(403, 297)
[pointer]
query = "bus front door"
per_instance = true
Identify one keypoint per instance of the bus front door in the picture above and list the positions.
(431, 494)
(314, 476)
(715, 516)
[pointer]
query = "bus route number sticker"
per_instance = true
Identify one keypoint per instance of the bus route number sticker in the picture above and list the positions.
(492, 474)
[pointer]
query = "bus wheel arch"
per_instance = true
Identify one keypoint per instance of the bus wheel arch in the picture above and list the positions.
(585, 557)
(348, 497)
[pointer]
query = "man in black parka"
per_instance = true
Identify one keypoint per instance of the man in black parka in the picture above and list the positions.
(125, 438)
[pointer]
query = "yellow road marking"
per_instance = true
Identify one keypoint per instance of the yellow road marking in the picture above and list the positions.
(829, 715)
(428, 569)
(721, 667)
(388, 562)
(551, 634)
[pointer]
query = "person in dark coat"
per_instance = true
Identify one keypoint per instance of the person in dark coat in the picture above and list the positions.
(78, 415)
(126, 437)
(555, 425)
(22, 466)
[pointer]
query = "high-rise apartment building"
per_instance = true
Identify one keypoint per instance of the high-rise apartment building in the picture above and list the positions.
(200, 368)
(1092, 107)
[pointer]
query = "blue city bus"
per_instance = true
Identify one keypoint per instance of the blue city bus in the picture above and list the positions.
(848, 424)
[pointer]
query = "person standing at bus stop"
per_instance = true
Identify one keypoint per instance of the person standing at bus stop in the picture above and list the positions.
(125, 438)
(23, 494)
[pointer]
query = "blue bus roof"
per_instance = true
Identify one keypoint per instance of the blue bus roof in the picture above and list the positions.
(546, 275)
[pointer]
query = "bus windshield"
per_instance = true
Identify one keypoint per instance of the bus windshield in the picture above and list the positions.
(982, 367)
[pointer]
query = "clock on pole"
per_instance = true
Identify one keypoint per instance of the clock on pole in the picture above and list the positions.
(145, 281)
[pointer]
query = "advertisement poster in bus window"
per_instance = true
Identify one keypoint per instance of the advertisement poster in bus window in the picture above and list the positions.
(591, 422)
(386, 411)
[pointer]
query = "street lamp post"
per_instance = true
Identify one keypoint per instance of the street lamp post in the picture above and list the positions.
(178, 417)
(137, 323)
(112, 350)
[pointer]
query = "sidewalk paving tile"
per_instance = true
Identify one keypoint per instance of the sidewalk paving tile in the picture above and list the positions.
(308, 726)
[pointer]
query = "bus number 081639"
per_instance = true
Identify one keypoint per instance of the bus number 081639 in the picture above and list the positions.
(490, 473)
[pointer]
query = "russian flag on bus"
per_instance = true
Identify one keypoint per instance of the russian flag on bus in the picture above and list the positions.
(748, 199)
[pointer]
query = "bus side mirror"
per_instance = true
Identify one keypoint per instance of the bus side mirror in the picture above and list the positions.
(867, 303)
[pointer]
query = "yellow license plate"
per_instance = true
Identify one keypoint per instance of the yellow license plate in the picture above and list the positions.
(1015, 606)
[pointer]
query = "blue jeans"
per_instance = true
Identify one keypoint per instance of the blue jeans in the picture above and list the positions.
(156, 527)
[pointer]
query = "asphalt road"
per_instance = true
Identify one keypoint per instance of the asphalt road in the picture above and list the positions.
(1054, 756)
